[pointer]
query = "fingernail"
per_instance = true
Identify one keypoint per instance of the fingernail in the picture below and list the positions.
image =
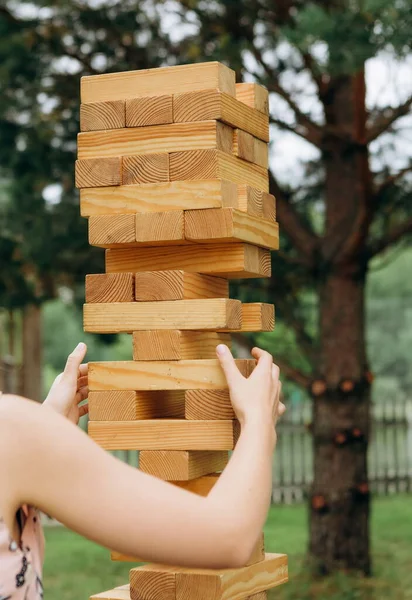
(81, 346)
(221, 349)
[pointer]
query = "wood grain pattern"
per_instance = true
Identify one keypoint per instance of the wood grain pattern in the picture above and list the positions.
(211, 164)
(178, 285)
(110, 231)
(126, 317)
(102, 115)
(166, 375)
(148, 82)
(181, 465)
(213, 104)
(119, 593)
(177, 345)
(127, 405)
(256, 202)
(152, 585)
(230, 225)
(145, 168)
(163, 434)
(158, 197)
(258, 316)
(258, 596)
(160, 228)
(208, 404)
(149, 110)
(90, 173)
(268, 206)
(249, 148)
(110, 287)
(200, 486)
(254, 95)
(151, 140)
(223, 260)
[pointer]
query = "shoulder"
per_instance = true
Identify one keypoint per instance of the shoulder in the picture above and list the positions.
(17, 416)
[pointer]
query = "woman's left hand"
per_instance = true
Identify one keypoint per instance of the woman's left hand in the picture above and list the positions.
(70, 388)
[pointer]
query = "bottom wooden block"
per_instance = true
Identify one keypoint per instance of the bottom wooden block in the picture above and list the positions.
(123, 593)
(181, 465)
(155, 582)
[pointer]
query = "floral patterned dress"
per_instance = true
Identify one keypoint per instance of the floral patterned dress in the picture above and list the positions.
(21, 564)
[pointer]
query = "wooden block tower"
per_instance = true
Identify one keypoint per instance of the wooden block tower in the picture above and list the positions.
(172, 170)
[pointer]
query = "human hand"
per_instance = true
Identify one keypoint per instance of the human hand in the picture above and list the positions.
(70, 388)
(256, 398)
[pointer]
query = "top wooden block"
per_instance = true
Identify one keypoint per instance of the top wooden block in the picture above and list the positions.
(149, 82)
(254, 95)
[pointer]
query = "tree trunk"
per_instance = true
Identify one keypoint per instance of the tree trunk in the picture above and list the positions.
(31, 381)
(339, 526)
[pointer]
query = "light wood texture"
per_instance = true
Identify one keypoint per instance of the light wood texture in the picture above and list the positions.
(97, 116)
(160, 228)
(110, 231)
(90, 173)
(177, 345)
(208, 404)
(178, 285)
(118, 317)
(159, 582)
(126, 405)
(154, 139)
(249, 148)
(158, 197)
(211, 164)
(258, 316)
(163, 434)
(148, 82)
(181, 465)
(204, 374)
(200, 486)
(256, 203)
(110, 287)
(149, 110)
(268, 206)
(145, 168)
(223, 260)
(212, 104)
(254, 95)
(229, 224)
(119, 593)
(258, 596)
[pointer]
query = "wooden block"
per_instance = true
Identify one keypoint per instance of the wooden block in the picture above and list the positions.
(145, 168)
(249, 148)
(268, 206)
(174, 137)
(149, 110)
(158, 197)
(110, 231)
(204, 374)
(178, 583)
(205, 164)
(97, 116)
(254, 95)
(177, 345)
(148, 82)
(110, 287)
(181, 465)
(258, 316)
(208, 404)
(178, 285)
(160, 228)
(119, 593)
(213, 104)
(256, 203)
(126, 317)
(98, 172)
(200, 486)
(230, 225)
(258, 596)
(163, 434)
(127, 405)
(223, 260)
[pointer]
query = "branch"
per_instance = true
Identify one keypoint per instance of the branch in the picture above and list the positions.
(393, 236)
(299, 130)
(391, 180)
(386, 118)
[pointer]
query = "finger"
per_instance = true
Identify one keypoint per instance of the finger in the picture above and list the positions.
(278, 393)
(82, 381)
(281, 409)
(264, 361)
(74, 361)
(83, 410)
(83, 369)
(227, 362)
(82, 394)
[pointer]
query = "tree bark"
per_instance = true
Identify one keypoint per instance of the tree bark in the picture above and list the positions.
(31, 373)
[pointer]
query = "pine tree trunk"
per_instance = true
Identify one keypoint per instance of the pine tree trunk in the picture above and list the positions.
(31, 374)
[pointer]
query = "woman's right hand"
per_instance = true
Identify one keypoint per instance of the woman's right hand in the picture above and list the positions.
(256, 398)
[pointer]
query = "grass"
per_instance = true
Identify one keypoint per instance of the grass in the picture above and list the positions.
(76, 568)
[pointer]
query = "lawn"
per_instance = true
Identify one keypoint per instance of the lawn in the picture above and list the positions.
(75, 568)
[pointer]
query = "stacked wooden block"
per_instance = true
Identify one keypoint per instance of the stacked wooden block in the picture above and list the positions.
(172, 170)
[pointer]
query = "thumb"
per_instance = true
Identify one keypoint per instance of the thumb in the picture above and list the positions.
(74, 361)
(227, 362)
